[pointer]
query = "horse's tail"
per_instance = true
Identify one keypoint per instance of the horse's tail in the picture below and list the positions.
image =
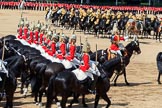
(51, 91)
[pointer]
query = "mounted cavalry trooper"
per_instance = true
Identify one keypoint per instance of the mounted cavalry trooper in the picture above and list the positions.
(41, 34)
(85, 72)
(25, 30)
(36, 32)
(69, 61)
(47, 41)
(52, 45)
(116, 47)
(20, 30)
(31, 34)
(62, 49)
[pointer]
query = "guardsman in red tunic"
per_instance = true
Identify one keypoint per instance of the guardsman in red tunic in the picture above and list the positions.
(85, 67)
(115, 47)
(62, 52)
(85, 57)
(72, 48)
(31, 35)
(46, 41)
(20, 30)
(25, 36)
(52, 49)
(36, 33)
(41, 35)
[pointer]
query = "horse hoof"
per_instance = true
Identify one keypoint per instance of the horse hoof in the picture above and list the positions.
(69, 106)
(40, 105)
(85, 106)
(36, 103)
(127, 84)
(159, 82)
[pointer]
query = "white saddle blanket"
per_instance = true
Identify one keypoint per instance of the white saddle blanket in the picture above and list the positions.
(80, 74)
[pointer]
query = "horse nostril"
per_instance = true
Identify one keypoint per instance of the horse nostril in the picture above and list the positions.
(139, 52)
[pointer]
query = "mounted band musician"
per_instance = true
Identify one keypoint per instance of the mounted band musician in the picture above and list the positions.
(131, 24)
(116, 47)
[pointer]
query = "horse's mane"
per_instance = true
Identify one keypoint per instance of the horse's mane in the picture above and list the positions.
(129, 45)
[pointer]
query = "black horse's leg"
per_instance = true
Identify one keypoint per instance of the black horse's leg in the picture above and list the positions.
(75, 99)
(97, 97)
(49, 101)
(9, 97)
(125, 78)
(159, 36)
(40, 97)
(9, 103)
(36, 98)
(116, 80)
(159, 78)
(64, 100)
(106, 98)
(83, 101)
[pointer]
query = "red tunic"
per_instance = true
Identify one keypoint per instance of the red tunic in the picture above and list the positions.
(114, 47)
(47, 41)
(31, 37)
(20, 30)
(85, 65)
(36, 37)
(25, 36)
(63, 51)
(118, 38)
(41, 38)
(52, 51)
(72, 53)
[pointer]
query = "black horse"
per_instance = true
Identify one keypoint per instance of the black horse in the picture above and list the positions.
(86, 24)
(155, 25)
(55, 18)
(65, 83)
(130, 48)
(8, 85)
(74, 21)
(147, 26)
(159, 65)
(122, 24)
(65, 20)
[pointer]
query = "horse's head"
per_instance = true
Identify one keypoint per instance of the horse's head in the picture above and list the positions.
(135, 46)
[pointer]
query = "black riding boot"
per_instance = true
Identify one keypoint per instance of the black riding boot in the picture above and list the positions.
(91, 86)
